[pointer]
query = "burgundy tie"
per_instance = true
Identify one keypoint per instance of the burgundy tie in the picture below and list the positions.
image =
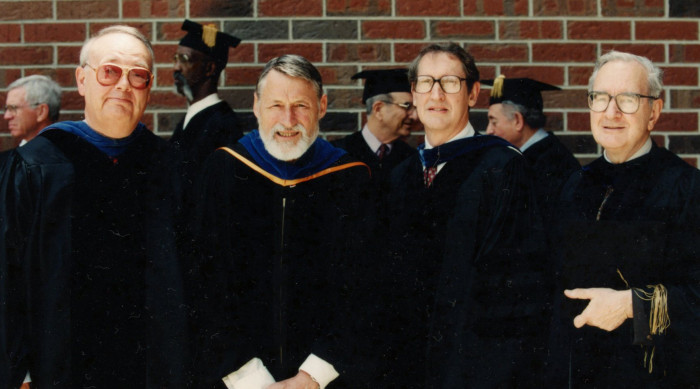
(383, 149)
(429, 175)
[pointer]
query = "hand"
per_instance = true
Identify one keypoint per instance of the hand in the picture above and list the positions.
(607, 310)
(300, 381)
(24, 386)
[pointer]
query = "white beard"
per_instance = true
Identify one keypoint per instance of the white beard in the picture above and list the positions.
(286, 151)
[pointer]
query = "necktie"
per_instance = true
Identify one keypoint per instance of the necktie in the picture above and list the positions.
(429, 175)
(383, 150)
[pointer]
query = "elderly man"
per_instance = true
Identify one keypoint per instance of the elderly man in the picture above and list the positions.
(280, 232)
(90, 284)
(32, 103)
(390, 116)
(629, 245)
(467, 284)
(515, 114)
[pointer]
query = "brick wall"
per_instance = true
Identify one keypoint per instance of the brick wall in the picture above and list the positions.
(555, 41)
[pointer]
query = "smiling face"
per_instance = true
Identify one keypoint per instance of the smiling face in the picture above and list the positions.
(288, 110)
(113, 110)
(443, 115)
(622, 134)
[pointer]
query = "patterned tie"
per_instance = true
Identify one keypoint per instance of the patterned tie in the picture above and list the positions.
(383, 150)
(429, 175)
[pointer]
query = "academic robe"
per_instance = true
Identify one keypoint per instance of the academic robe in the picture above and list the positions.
(630, 225)
(357, 147)
(552, 164)
(89, 280)
(467, 286)
(279, 268)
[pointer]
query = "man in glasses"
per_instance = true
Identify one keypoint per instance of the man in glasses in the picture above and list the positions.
(627, 304)
(390, 116)
(91, 287)
(467, 287)
(32, 103)
(515, 114)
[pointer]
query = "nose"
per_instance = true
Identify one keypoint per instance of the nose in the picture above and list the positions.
(288, 118)
(436, 92)
(7, 115)
(123, 82)
(612, 110)
(413, 114)
(489, 129)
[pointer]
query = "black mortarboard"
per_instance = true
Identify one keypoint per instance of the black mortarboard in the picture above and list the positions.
(523, 91)
(383, 81)
(208, 40)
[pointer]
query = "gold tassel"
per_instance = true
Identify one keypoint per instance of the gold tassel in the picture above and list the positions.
(209, 35)
(497, 90)
(659, 319)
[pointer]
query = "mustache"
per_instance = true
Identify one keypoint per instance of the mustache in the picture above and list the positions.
(186, 89)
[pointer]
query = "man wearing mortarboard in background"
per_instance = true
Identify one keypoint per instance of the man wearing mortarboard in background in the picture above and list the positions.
(390, 115)
(515, 114)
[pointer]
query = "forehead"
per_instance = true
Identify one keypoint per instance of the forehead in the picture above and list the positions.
(120, 48)
(621, 76)
(16, 95)
(439, 64)
(496, 110)
(279, 86)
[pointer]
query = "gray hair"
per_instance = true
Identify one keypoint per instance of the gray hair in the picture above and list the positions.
(118, 29)
(532, 117)
(293, 66)
(384, 97)
(654, 74)
(40, 89)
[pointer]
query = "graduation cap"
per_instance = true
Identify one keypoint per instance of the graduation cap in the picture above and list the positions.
(208, 40)
(523, 91)
(383, 81)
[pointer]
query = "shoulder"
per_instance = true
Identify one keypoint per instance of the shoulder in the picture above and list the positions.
(44, 148)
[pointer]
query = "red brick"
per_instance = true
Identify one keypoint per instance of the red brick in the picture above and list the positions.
(565, 99)
(487, 72)
(65, 77)
(681, 76)
(164, 53)
(685, 99)
(290, 8)
(68, 55)
(339, 75)
(311, 51)
(26, 55)
(550, 74)
(595, 30)
(407, 52)
(635, 8)
(21, 10)
(7, 76)
(578, 121)
(579, 75)
(358, 7)
(153, 8)
(98, 9)
(221, 8)
(166, 99)
(172, 31)
(242, 76)
(495, 7)
(54, 32)
(563, 52)
(654, 52)
(684, 53)
(676, 30)
(564, 7)
(147, 119)
(383, 29)
(677, 122)
(463, 29)
(10, 33)
(243, 53)
(354, 52)
(531, 29)
(498, 52)
(423, 8)
(72, 100)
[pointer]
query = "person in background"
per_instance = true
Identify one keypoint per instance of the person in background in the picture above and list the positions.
(32, 103)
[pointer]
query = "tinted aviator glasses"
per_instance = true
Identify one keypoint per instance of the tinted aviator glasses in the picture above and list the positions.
(626, 102)
(449, 84)
(109, 74)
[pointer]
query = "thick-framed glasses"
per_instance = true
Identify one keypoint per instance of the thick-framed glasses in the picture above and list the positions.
(449, 84)
(109, 74)
(626, 102)
(12, 109)
(182, 58)
(408, 107)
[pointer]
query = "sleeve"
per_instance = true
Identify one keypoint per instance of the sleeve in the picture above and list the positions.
(320, 371)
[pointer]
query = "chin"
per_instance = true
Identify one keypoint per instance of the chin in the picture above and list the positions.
(287, 150)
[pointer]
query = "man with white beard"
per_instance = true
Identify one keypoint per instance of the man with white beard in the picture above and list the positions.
(280, 231)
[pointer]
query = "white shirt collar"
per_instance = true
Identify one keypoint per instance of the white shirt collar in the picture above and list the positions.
(195, 108)
(644, 150)
(372, 140)
(536, 137)
(465, 133)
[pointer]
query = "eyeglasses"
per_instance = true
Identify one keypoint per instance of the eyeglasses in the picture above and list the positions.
(449, 84)
(181, 58)
(626, 102)
(110, 74)
(12, 109)
(408, 107)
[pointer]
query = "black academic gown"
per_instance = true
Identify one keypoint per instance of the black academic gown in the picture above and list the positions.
(357, 147)
(648, 233)
(279, 270)
(90, 283)
(467, 287)
(552, 164)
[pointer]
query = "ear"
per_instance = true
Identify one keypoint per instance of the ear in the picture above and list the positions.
(323, 105)
(377, 108)
(256, 105)
(474, 93)
(42, 112)
(656, 107)
(80, 79)
(211, 69)
(519, 121)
